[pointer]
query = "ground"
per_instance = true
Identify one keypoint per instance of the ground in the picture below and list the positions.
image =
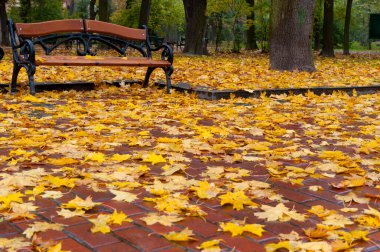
(118, 169)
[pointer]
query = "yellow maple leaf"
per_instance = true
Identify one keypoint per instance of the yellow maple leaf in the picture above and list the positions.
(40, 226)
(320, 211)
(210, 246)
(56, 182)
(123, 196)
(184, 235)
(237, 229)
(205, 190)
(100, 224)
(280, 212)
(318, 246)
(119, 218)
(337, 220)
(271, 247)
(238, 199)
(62, 161)
(351, 196)
(9, 198)
(154, 158)
(96, 157)
(14, 244)
(80, 204)
(316, 233)
(166, 220)
(57, 248)
(68, 214)
(120, 158)
(31, 98)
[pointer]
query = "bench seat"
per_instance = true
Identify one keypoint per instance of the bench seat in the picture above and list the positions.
(46, 60)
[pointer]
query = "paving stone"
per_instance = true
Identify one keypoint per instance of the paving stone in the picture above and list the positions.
(6, 229)
(240, 243)
(138, 237)
(199, 226)
(128, 208)
(117, 247)
(83, 232)
(72, 245)
(52, 235)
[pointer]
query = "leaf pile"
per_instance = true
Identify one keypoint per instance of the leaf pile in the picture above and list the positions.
(259, 162)
(248, 71)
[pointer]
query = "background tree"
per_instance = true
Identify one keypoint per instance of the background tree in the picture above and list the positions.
(196, 21)
(144, 12)
(251, 32)
(25, 7)
(328, 29)
(3, 26)
(317, 28)
(104, 10)
(346, 40)
(262, 10)
(93, 11)
(290, 38)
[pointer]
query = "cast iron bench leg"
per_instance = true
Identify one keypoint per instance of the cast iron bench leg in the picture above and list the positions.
(147, 76)
(168, 74)
(31, 71)
(16, 70)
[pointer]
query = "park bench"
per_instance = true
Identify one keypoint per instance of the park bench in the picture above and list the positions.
(88, 35)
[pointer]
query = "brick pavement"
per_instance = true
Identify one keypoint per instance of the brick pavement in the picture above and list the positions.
(136, 235)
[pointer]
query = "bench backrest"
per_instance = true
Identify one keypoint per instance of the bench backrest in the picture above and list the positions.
(85, 33)
(93, 26)
(49, 27)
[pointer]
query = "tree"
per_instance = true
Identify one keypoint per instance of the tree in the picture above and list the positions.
(3, 21)
(144, 12)
(317, 24)
(196, 21)
(251, 32)
(346, 39)
(25, 6)
(290, 37)
(328, 29)
(93, 12)
(103, 10)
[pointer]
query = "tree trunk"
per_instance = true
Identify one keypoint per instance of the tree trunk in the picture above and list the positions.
(328, 22)
(93, 13)
(219, 28)
(25, 7)
(103, 10)
(128, 4)
(3, 20)
(290, 38)
(144, 12)
(251, 32)
(195, 12)
(71, 7)
(346, 38)
(317, 36)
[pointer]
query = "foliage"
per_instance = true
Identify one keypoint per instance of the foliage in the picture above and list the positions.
(165, 15)
(234, 13)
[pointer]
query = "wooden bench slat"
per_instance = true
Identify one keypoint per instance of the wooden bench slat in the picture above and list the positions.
(49, 27)
(98, 61)
(94, 26)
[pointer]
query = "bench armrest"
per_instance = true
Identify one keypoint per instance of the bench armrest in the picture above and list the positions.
(167, 53)
(27, 51)
(22, 49)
